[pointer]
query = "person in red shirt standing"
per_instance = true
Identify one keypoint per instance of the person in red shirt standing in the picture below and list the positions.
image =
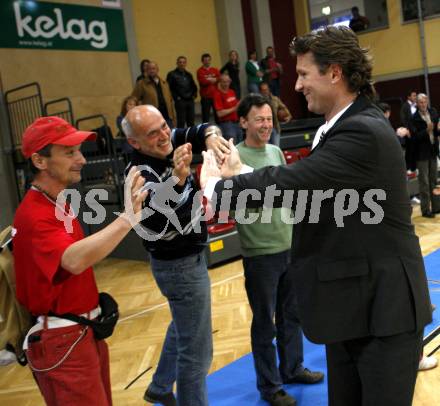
(53, 267)
(225, 106)
(208, 78)
(272, 71)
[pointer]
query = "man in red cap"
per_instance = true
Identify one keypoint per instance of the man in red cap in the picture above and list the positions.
(53, 266)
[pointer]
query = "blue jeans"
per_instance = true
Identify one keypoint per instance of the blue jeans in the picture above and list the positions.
(274, 86)
(187, 351)
(268, 293)
(253, 88)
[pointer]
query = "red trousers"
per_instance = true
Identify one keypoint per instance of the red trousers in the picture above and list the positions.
(83, 378)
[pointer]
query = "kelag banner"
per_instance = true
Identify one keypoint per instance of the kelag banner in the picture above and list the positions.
(34, 24)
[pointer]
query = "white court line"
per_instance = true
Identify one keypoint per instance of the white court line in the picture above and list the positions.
(150, 309)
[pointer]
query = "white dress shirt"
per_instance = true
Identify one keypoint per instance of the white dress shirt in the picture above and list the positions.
(210, 185)
(327, 125)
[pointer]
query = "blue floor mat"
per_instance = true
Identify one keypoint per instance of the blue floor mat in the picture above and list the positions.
(235, 385)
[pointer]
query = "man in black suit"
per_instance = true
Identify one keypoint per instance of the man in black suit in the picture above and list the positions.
(358, 270)
(407, 110)
(425, 130)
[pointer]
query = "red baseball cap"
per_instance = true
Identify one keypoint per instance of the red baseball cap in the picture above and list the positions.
(52, 130)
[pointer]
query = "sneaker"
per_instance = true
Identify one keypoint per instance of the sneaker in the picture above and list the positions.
(166, 399)
(306, 376)
(7, 357)
(280, 398)
(427, 363)
(415, 200)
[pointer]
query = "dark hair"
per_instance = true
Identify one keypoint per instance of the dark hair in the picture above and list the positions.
(251, 100)
(339, 46)
(206, 55)
(45, 151)
(355, 8)
(181, 57)
(384, 106)
(124, 104)
(252, 51)
(410, 93)
(142, 65)
(261, 84)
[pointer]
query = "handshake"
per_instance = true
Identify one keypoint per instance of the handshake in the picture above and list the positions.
(221, 162)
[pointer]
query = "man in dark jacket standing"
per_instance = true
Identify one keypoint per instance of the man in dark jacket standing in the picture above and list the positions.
(184, 91)
(425, 130)
(358, 270)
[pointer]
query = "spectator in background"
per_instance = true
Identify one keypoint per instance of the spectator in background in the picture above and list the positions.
(253, 72)
(407, 110)
(143, 68)
(127, 104)
(358, 22)
(272, 71)
(425, 132)
(155, 91)
(280, 113)
(401, 132)
(184, 91)
(225, 105)
(208, 77)
(232, 68)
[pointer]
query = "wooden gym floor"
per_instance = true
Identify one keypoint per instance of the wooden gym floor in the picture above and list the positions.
(137, 341)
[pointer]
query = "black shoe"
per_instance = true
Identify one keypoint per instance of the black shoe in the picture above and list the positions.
(280, 398)
(167, 399)
(306, 376)
(428, 214)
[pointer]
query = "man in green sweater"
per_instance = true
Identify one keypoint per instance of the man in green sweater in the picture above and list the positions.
(266, 245)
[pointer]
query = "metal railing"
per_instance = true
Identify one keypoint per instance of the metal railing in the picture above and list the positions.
(104, 168)
(61, 108)
(24, 104)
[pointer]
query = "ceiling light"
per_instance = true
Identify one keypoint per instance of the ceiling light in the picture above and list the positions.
(326, 10)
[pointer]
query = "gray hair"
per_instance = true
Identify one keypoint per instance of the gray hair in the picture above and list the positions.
(421, 96)
(127, 128)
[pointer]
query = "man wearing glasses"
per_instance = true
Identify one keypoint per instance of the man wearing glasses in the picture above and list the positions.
(176, 247)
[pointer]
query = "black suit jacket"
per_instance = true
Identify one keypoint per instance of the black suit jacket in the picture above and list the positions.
(410, 152)
(359, 279)
(423, 148)
(405, 114)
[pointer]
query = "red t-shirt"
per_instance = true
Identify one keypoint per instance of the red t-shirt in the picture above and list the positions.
(207, 89)
(224, 101)
(274, 66)
(39, 242)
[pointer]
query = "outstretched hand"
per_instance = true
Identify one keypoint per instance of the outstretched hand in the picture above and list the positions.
(210, 168)
(134, 196)
(231, 165)
(219, 146)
